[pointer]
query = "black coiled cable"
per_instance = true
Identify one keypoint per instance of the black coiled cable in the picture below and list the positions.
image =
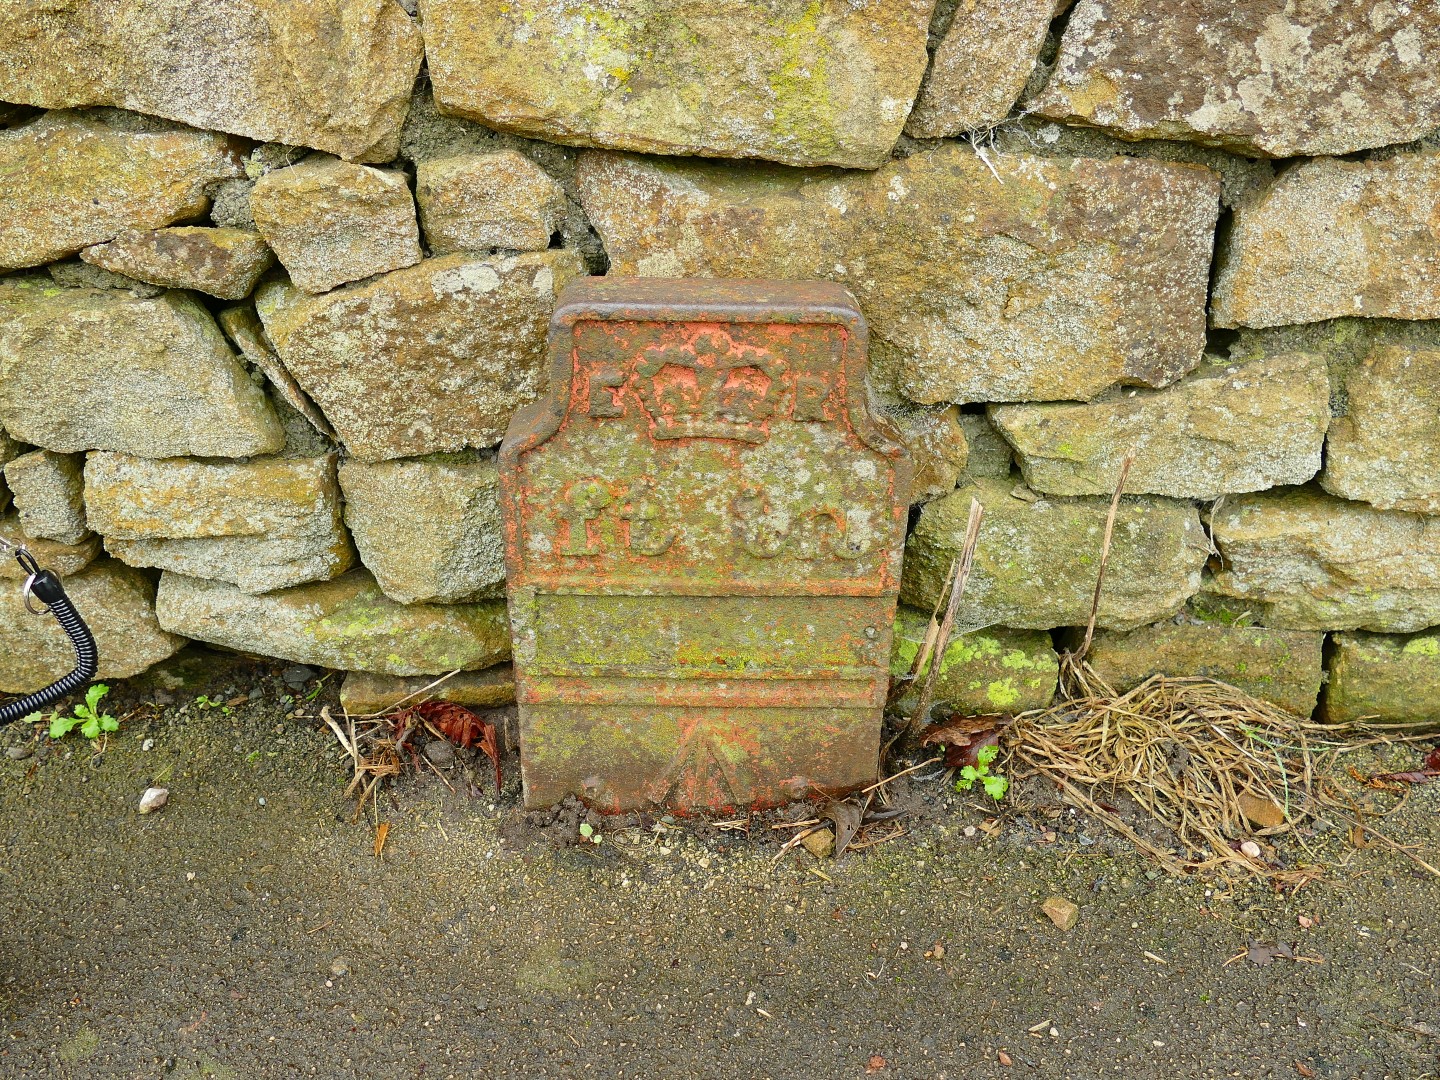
(46, 588)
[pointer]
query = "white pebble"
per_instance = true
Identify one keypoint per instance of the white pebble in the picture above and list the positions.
(1250, 848)
(153, 799)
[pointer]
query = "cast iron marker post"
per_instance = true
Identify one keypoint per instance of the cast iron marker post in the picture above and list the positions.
(704, 525)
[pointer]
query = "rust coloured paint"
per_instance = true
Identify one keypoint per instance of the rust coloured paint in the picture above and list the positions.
(704, 526)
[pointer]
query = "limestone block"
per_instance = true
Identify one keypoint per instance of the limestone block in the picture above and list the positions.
(1261, 77)
(75, 179)
(262, 524)
(432, 358)
(992, 670)
(48, 489)
(84, 369)
(222, 262)
(117, 603)
(60, 559)
(1310, 561)
(809, 82)
(990, 454)
(429, 529)
(364, 692)
(331, 222)
(1384, 678)
(335, 75)
(1048, 279)
(980, 66)
(347, 623)
(936, 441)
(472, 202)
(1386, 449)
(1333, 238)
(1224, 428)
(1036, 560)
(1283, 667)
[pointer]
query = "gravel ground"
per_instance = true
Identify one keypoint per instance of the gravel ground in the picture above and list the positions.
(248, 930)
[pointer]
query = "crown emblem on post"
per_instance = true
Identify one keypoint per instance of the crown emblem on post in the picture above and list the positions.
(711, 388)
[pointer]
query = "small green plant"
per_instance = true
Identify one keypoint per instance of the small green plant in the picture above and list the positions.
(995, 786)
(87, 717)
(587, 832)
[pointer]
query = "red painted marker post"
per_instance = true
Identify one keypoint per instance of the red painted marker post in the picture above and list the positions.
(704, 526)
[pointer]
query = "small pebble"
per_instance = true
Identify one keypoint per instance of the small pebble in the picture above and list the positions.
(148, 744)
(440, 753)
(19, 753)
(153, 799)
(1250, 848)
(340, 966)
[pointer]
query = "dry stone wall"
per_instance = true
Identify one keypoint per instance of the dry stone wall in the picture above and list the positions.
(275, 277)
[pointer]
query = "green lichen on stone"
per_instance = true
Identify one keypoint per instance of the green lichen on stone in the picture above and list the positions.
(804, 109)
(1385, 678)
(990, 670)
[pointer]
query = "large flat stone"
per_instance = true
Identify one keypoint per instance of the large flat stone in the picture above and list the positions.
(364, 692)
(262, 524)
(994, 670)
(75, 179)
(1283, 667)
(1385, 679)
(1223, 429)
(1386, 449)
(1332, 238)
(1309, 561)
(332, 221)
(1048, 279)
(102, 369)
(335, 76)
(429, 529)
(48, 490)
(432, 358)
(1262, 77)
(117, 603)
(347, 623)
(808, 82)
(1036, 560)
(980, 66)
(222, 262)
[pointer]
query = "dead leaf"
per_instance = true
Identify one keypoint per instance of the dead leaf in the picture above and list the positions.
(875, 1064)
(1261, 811)
(1357, 837)
(1303, 1069)
(1004, 1058)
(490, 748)
(846, 816)
(1433, 760)
(965, 736)
(1262, 954)
(1410, 777)
(1305, 921)
(381, 832)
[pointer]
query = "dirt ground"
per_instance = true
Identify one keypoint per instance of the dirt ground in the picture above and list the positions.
(249, 930)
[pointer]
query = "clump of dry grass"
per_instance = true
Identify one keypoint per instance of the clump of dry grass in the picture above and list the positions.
(1187, 751)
